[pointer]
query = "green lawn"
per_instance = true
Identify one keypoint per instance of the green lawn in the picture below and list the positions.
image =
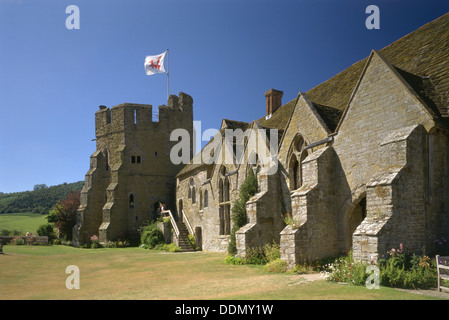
(38, 272)
(23, 222)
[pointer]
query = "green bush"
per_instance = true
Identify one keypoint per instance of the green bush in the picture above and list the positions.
(263, 254)
(17, 241)
(307, 267)
(400, 270)
(234, 260)
(151, 236)
(276, 266)
(47, 230)
(239, 218)
(258, 255)
(192, 241)
(171, 247)
(344, 269)
(413, 272)
(6, 232)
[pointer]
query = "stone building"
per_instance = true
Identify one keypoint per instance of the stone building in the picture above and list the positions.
(362, 161)
(131, 170)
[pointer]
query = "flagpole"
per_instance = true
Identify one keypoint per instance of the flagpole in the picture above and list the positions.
(168, 82)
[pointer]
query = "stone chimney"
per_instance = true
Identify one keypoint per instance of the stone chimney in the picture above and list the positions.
(274, 100)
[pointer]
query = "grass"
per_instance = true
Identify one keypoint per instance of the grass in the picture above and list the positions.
(38, 272)
(23, 222)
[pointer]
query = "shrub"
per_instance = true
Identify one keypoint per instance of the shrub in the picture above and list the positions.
(263, 254)
(171, 247)
(63, 214)
(234, 260)
(95, 242)
(47, 230)
(344, 269)
(151, 236)
(239, 218)
(276, 266)
(17, 241)
(192, 241)
(272, 252)
(111, 244)
(400, 270)
(6, 232)
(257, 255)
(408, 271)
(305, 268)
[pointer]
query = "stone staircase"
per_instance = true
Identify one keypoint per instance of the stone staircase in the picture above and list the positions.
(183, 241)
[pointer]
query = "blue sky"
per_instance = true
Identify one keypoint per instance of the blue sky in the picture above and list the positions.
(224, 53)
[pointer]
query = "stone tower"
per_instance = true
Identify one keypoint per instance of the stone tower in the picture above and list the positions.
(131, 171)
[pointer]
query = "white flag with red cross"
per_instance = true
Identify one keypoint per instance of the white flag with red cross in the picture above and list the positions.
(155, 64)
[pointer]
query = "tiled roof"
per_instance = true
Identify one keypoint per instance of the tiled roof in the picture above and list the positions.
(422, 54)
(421, 57)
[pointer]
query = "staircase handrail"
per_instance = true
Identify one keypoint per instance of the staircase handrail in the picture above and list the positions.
(173, 222)
(188, 223)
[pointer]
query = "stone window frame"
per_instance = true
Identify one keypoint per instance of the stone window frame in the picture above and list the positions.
(224, 205)
(297, 155)
(192, 191)
(200, 196)
(131, 201)
(206, 199)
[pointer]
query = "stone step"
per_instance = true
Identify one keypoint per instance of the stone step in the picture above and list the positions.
(183, 241)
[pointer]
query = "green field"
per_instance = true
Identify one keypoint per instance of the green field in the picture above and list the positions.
(23, 222)
(39, 272)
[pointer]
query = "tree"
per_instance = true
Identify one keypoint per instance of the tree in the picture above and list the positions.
(63, 214)
(239, 217)
(40, 187)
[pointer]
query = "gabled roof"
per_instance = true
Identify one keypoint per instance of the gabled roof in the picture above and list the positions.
(422, 58)
(197, 161)
(279, 118)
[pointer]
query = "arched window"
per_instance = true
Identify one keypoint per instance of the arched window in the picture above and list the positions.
(201, 199)
(193, 195)
(192, 191)
(296, 175)
(298, 154)
(224, 206)
(206, 199)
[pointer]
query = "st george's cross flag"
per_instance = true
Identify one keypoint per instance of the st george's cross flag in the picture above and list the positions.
(155, 64)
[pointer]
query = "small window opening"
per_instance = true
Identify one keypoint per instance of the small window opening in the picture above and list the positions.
(131, 201)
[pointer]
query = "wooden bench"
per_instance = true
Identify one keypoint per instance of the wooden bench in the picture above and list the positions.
(443, 271)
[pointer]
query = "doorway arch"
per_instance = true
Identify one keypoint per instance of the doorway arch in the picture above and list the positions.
(355, 216)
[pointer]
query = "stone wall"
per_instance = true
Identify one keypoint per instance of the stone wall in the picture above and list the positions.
(131, 170)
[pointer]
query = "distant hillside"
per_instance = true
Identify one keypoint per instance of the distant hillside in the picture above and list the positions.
(38, 201)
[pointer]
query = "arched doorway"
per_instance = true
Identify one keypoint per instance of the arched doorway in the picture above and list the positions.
(355, 218)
